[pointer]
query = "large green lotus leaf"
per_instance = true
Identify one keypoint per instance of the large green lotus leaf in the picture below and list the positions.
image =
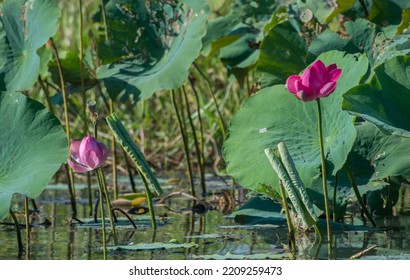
(385, 101)
(283, 53)
(365, 37)
(27, 26)
(379, 155)
(33, 146)
(274, 115)
(130, 79)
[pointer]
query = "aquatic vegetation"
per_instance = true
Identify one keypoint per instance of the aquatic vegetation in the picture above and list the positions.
(199, 87)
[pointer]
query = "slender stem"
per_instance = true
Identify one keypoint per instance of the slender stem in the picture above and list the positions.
(103, 185)
(291, 232)
(201, 143)
(104, 18)
(70, 175)
(357, 193)
(27, 219)
(114, 157)
(322, 159)
(130, 172)
(208, 83)
(149, 202)
(126, 215)
(104, 237)
(17, 225)
(47, 94)
(196, 143)
(364, 7)
(185, 142)
(334, 197)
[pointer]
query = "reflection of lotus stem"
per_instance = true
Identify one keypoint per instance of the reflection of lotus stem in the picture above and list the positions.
(322, 159)
(184, 140)
(103, 185)
(70, 175)
(17, 225)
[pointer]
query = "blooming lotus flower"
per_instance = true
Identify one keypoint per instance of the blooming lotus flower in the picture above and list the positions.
(87, 154)
(317, 81)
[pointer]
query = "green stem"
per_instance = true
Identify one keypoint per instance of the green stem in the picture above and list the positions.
(47, 94)
(104, 236)
(27, 220)
(196, 143)
(114, 157)
(17, 225)
(322, 159)
(103, 184)
(185, 142)
(357, 193)
(130, 171)
(334, 197)
(149, 202)
(104, 17)
(208, 84)
(70, 175)
(201, 134)
(291, 232)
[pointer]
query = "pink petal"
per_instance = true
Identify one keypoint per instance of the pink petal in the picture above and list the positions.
(318, 67)
(104, 153)
(292, 84)
(74, 150)
(77, 167)
(90, 152)
(327, 89)
(334, 75)
(331, 67)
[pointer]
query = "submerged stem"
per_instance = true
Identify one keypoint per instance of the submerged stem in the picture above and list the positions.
(324, 185)
(291, 232)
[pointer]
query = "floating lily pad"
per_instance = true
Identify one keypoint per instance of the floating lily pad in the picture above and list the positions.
(230, 256)
(152, 246)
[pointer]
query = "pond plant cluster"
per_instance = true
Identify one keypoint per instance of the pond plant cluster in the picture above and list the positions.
(302, 102)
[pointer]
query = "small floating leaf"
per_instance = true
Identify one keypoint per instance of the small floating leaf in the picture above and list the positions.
(152, 246)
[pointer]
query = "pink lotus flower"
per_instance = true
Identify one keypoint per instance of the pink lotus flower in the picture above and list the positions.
(317, 81)
(87, 155)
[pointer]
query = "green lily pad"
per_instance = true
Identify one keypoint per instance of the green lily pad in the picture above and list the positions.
(230, 256)
(138, 80)
(152, 246)
(274, 115)
(385, 101)
(27, 25)
(33, 146)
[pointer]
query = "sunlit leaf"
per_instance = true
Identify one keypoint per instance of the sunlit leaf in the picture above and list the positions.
(27, 26)
(33, 146)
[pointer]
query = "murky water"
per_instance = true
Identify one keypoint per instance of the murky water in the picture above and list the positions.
(213, 234)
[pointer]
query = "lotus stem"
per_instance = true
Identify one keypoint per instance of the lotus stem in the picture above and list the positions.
(27, 220)
(334, 197)
(47, 95)
(291, 232)
(114, 156)
(149, 202)
(182, 129)
(209, 86)
(70, 176)
(324, 185)
(196, 143)
(357, 193)
(17, 225)
(103, 184)
(201, 133)
(104, 237)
